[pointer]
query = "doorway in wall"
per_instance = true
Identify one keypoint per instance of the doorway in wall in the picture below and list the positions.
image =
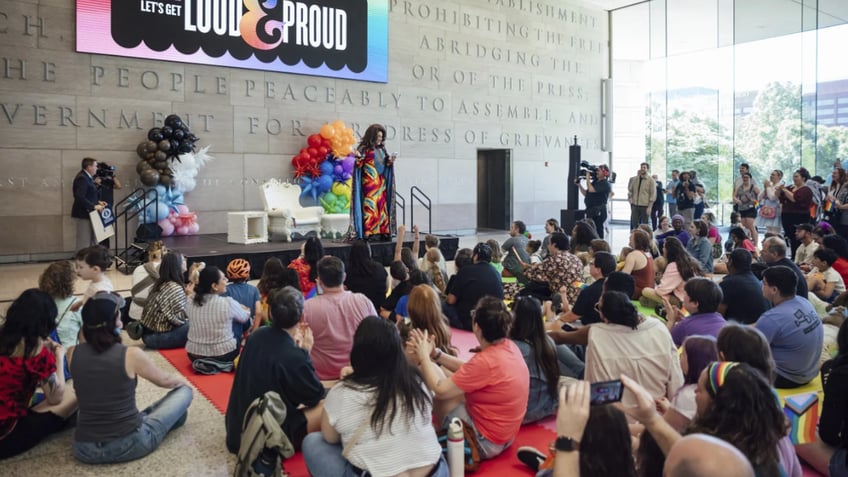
(494, 189)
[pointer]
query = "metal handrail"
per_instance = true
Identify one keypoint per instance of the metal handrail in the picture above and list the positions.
(400, 203)
(415, 193)
(131, 210)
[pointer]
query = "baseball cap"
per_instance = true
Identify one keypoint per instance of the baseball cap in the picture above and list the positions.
(102, 309)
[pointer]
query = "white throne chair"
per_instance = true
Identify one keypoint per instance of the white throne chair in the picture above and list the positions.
(285, 214)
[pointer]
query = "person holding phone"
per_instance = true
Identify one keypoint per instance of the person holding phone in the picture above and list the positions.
(627, 343)
(372, 209)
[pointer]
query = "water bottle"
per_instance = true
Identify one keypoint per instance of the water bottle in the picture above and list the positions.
(456, 448)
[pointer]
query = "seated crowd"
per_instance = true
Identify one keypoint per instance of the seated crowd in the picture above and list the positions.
(363, 361)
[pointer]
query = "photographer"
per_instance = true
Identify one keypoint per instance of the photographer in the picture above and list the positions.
(106, 183)
(685, 193)
(597, 192)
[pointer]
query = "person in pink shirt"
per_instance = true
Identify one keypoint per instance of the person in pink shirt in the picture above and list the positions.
(490, 391)
(333, 316)
(681, 267)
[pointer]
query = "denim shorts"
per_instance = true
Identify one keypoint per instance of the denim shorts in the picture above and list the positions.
(488, 449)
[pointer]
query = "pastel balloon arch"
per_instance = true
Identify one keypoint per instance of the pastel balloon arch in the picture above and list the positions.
(169, 163)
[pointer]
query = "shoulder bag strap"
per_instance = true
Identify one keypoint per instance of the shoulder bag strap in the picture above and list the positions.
(353, 440)
(62, 316)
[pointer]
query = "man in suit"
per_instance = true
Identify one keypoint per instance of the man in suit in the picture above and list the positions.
(85, 200)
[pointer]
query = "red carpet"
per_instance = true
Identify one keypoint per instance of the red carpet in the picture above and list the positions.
(215, 388)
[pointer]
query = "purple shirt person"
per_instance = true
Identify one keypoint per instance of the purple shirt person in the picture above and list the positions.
(703, 296)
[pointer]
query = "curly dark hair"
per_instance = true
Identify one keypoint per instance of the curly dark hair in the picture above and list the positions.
(745, 413)
(617, 308)
(57, 280)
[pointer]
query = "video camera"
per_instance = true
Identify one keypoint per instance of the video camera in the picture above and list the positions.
(593, 172)
(106, 173)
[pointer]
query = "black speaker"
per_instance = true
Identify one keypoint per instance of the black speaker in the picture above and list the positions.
(568, 217)
(148, 232)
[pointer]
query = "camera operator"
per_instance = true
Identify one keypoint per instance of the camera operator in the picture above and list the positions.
(106, 184)
(597, 192)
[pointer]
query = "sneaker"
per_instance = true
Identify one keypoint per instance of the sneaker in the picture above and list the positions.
(531, 457)
(135, 329)
(646, 302)
(211, 366)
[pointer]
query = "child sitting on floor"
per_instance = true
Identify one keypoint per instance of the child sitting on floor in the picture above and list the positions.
(532, 248)
(92, 262)
(497, 255)
(238, 273)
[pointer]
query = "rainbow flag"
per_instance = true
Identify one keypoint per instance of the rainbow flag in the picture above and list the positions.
(828, 206)
(803, 413)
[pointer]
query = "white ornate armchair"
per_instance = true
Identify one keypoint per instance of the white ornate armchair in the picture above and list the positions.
(285, 214)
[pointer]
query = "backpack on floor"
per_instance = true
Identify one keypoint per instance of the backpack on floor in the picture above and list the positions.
(262, 428)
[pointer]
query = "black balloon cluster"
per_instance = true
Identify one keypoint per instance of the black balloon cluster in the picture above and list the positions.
(162, 146)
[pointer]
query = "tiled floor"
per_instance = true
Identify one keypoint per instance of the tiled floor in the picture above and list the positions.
(196, 449)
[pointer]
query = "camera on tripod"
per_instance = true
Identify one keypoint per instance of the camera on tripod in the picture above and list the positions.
(592, 170)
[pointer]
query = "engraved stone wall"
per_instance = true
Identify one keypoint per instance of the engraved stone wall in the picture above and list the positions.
(478, 74)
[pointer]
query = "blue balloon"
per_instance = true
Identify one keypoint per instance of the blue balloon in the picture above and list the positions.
(323, 184)
(162, 190)
(156, 212)
(327, 168)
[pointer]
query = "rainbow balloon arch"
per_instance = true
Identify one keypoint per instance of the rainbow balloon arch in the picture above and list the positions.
(324, 168)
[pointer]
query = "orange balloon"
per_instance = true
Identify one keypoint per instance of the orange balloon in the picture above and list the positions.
(327, 131)
(338, 125)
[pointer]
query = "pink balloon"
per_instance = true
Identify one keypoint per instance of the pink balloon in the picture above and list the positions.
(167, 227)
(182, 230)
(182, 209)
(194, 228)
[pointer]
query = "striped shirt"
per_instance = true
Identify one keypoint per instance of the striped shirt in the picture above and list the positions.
(165, 308)
(210, 329)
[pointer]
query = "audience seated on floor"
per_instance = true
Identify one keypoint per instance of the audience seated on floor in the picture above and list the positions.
(490, 391)
(92, 262)
(110, 427)
(333, 317)
(164, 319)
(742, 292)
(774, 254)
(639, 262)
(823, 282)
(695, 354)
(626, 343)
(471, 283)
(840, 246)
(276, 358)
(144, 277)
(247, 295)
(425, 314)
(539, 352)
(274, 275)
(700, 303)
(602, 264)
(804, 253)
(29, 359)
(305, 264)
(210, 316)
(699, 245)
(560, 268)
(681, 267)
(600, 434)
(515, 250)
(58, 282)
(792, 327)
(829, 453)
(400, 273)
(378, 418)
(365, 275)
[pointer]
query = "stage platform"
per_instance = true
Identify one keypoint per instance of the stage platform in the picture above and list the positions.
(216, 251)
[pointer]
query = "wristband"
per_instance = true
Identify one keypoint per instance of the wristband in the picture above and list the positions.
(438, 355)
